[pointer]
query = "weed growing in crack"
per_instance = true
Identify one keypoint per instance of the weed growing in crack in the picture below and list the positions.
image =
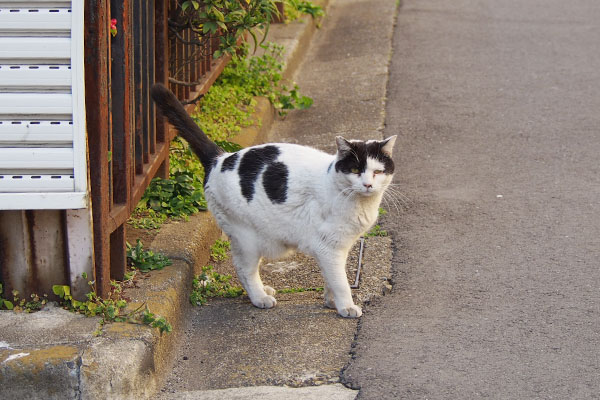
(18, 304)
(219, 250)
(110, 309)
(145, 260)
(212, 284)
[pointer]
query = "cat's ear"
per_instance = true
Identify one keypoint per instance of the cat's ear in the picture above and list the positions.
(343, 146)
(388, 145)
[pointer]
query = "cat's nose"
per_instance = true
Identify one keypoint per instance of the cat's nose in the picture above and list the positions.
(368, 185)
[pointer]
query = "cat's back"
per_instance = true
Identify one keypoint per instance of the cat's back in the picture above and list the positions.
(266, 174)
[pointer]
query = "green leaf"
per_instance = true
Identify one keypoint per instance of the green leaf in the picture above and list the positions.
(218, 14)
(209, 27)
(59, 290)
(222, 25)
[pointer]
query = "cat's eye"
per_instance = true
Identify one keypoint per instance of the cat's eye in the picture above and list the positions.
(355, 170)
(377, 172)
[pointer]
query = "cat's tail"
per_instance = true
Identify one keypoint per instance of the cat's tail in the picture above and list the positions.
(169, 105)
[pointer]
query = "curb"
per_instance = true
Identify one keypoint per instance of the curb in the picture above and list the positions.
(128, 361)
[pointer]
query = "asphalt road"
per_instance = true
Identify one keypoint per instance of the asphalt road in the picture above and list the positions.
(496, 265)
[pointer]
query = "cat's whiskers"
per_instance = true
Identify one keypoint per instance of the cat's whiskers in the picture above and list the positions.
(346, 193)
(395, 197)
(345, 196)
(399, 198)
(405, 199)
(388, 200)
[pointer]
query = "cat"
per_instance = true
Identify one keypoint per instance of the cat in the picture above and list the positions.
(273, 199)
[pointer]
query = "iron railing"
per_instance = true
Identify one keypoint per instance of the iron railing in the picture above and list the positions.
(128, 142)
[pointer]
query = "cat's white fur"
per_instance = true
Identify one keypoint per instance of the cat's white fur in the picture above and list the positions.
(323, 215)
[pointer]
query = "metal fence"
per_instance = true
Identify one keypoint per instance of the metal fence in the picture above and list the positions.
(128, 142)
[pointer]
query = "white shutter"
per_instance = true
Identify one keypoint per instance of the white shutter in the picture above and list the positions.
(43, 153)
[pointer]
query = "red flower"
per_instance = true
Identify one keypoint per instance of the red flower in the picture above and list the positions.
(113, 27)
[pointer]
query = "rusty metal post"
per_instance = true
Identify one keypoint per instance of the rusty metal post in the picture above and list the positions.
(180, 90)
(137, 87)
(151, 74)
(161, 60)
(121, 102)
(145, 95)
(278, 19)
(185, 62)
(97, 56)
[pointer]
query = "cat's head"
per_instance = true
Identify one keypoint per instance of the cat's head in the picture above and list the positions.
(365, 167)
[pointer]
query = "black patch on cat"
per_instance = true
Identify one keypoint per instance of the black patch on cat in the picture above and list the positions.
(275, 181)
(374, 150)
(229, 162)
(356, 157)
(252, 163)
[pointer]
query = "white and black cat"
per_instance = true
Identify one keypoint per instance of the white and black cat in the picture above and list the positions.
(275, 198)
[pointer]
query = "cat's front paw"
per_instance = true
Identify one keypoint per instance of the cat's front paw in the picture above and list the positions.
(265, 302)
(269, 290)
(353, 311)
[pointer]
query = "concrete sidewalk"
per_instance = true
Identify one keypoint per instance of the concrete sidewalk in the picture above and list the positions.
(300, 343)
(54, 353)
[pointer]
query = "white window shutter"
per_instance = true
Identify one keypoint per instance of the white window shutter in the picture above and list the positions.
(43, 148)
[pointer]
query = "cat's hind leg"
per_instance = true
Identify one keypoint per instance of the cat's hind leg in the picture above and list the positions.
(246, 260)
